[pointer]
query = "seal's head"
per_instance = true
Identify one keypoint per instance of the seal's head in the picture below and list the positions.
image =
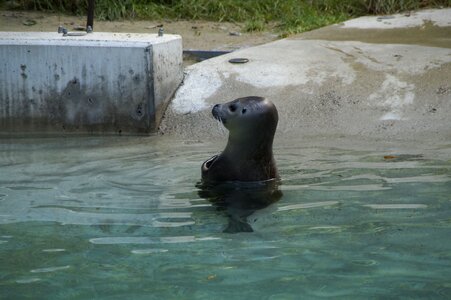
(248, 115)
(252, 123)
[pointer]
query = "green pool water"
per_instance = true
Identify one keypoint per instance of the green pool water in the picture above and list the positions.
(121, 218)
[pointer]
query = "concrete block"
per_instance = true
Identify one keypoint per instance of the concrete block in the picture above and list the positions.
(96, 83)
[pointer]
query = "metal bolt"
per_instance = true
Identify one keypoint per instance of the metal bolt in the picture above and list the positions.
(89, 29)
(160, 31)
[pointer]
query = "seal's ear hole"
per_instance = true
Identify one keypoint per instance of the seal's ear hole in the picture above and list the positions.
(232, 107)
(243, 111)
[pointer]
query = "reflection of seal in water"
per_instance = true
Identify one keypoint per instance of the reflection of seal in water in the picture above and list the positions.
(243, 178)
(239, 200)
(251, 122)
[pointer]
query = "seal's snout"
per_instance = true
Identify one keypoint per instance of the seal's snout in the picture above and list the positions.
(215, 111)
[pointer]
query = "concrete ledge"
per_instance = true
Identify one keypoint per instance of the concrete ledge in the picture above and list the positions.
(325, 85)
(96, 83)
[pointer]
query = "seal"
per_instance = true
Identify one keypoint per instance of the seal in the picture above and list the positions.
(248, 156)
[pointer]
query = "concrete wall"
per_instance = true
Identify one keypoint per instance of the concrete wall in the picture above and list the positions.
(97, 83)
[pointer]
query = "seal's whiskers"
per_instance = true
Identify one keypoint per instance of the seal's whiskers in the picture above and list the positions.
(221, 127)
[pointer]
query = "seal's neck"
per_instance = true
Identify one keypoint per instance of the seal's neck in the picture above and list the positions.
(255, 147)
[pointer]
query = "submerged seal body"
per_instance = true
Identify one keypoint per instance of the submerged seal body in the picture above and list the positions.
(248, 156)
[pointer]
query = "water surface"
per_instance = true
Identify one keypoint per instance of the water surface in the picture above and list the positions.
(121, 218)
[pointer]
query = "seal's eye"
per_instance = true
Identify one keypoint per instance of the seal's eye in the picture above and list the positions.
(232, 107)
(243, 111)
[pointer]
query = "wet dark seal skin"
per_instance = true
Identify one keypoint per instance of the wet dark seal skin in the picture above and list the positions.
(248, 156)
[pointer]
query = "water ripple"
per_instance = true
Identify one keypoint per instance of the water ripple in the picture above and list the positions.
(396, 206)
(50, 269)
(28, 280)
(358, 188)
(54, 250)
(307, 205)
(149, 251)
(149, 240)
